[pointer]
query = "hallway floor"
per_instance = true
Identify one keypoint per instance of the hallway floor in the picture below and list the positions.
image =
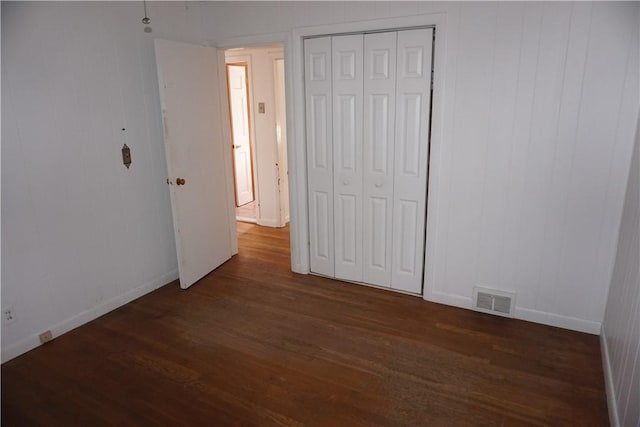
(247, 213)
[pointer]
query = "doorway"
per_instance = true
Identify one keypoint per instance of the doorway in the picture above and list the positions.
(256, 92)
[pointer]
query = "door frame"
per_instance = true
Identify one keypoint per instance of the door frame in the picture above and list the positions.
(260, 152)
(296, 140)
(434, 188)
(284, 217)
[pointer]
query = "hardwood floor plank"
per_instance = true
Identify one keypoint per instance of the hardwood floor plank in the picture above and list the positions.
(254, 344)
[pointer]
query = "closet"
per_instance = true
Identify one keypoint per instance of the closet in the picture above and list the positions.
(368, 100)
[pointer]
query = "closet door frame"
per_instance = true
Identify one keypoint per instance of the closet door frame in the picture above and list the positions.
(380, 85)
(298, 160)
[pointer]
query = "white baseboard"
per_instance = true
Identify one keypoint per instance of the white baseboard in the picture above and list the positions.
(552, 319)
(608, 381)
(33, 341)
(297, 268)
(246, 219)
(448, 299)
(535, 316)
(269, 222)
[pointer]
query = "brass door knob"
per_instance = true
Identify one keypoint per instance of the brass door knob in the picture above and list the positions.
(180, 181)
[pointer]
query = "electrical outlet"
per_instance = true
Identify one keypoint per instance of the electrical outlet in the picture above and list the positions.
(45, 337)
(8, 315)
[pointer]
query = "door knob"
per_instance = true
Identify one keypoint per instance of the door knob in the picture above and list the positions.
(237, 145)
(180, 181)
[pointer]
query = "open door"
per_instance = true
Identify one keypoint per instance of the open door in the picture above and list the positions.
(238, 93)
(194, 144)
(281, 139)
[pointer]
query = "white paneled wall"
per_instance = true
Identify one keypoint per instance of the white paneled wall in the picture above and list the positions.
(538, 111)
(535, 152)
(621, 328)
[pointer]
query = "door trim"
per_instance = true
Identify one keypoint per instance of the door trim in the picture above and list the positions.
(226, 149)
(284, 217)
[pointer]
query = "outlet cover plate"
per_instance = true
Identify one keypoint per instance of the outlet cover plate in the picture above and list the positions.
(8, 315)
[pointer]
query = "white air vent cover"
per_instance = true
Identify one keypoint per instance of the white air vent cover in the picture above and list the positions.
(493, 301)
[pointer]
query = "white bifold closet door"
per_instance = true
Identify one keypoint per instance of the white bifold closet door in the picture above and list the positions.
(319, 119)
(347, 155)
(411, 148)
(378, 155)
(368, 109)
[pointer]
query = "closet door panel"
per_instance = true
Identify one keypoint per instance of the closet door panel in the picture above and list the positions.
(319, 127)
(413, 92)
(378, 155)
(347, 83)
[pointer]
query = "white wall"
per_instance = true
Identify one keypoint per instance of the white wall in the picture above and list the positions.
(538, 135)
(621, 328)
(261, 86)
(538, 115)
(81, 234)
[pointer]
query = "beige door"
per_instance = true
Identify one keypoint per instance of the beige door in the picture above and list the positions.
(240, 132)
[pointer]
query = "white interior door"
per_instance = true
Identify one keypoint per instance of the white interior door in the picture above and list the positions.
(193, 135)
(239, 106)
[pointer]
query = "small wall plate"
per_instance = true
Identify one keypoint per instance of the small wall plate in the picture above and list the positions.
(126, 156)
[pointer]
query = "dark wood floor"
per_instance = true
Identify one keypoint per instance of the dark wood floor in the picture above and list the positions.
(254, 344)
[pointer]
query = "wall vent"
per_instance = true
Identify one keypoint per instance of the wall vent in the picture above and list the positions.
(494, 302)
